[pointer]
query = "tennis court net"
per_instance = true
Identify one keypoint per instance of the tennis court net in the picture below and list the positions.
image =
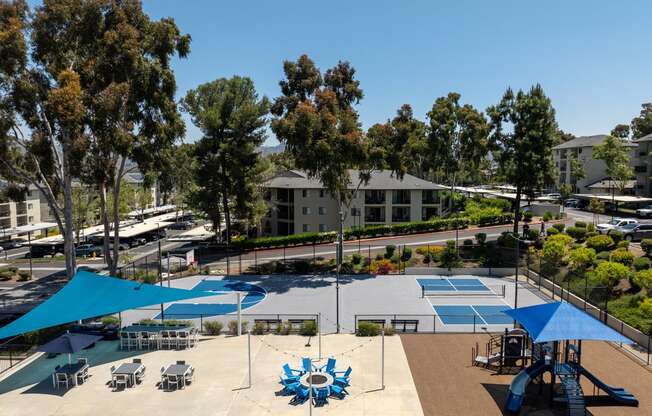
(479, 290)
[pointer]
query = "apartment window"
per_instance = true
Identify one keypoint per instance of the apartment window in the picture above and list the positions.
(322, 210)
(322, 228)
(374, 197)
(285, 195)
(304, 193)
(305, 210)
(374, 214)
(428, 213)
(30, 219)
(401, 196)
(356, 212)
(321, 193)
(429, 196)
(400, 214)
(30, 207)
(306, 228)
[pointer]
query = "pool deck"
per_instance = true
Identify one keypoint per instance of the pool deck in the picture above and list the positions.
(221, 372)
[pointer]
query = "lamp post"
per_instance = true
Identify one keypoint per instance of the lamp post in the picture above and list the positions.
(338, 258)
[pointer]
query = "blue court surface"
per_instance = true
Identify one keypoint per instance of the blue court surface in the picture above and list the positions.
(253, 295)
(453, 285)
(469, 314)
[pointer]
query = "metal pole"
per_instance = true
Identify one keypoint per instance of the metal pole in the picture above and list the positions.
(169, 270)
(340, 252)
(228, 263)
(319, 333)
(382, 359)
(29, 242)
(249, 355)
(310, 389)
(160, 274)
(516, 277)
(239, 295)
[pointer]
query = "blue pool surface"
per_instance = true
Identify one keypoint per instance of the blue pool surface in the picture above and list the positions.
(254, 295)
(469, 314)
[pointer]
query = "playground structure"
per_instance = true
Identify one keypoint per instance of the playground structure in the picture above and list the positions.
(555, 332)
(506, 351)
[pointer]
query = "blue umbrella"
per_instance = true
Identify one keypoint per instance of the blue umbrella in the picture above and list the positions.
(69, 344)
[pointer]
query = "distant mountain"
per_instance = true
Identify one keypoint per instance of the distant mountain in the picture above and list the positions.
(268, 150)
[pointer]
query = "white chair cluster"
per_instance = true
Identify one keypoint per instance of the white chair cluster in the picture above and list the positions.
(164, 339)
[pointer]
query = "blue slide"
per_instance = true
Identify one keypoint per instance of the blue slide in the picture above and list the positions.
(618, 394)
(516, 392)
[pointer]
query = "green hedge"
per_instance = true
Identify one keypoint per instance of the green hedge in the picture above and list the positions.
(439, 224)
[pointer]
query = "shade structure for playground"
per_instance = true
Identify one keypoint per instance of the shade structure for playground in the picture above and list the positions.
(560, 321)
(89, 295)
(69, 344)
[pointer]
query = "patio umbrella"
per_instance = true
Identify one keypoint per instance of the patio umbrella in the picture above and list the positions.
(69, 343)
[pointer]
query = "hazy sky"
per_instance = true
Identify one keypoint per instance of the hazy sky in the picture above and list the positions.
(593, 58)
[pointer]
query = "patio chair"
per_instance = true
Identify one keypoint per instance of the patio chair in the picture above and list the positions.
(175, 380)
(289, 387)
(82, 360)
(190, 377)
(141, 375)
(307, 365)
(343, 380)
(137, 361)
(145, 340)
(165, 339)
(192, 337)
(320, 396)
(182, 339)
(289, 373)
(163, 379)
(61, 378)
(337, 391)
(330, 366)
(120, 380)
(181, 362)
(302, 394)
(82, 376)
(124, 340)
(134, 340)
(174, 343)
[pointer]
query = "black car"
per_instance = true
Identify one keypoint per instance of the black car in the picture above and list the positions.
(636, 232)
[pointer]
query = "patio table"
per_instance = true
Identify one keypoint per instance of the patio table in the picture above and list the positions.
(179, 370)
(69, 370)
(128, 369)
(319, 380)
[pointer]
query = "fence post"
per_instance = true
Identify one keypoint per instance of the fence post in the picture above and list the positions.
(649, 337)
(369, 257)
(553, 287)
(474, 323)
(255, 261)
(434, 324)
(240, 263)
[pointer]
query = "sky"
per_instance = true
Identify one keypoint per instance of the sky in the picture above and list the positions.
(593, 58)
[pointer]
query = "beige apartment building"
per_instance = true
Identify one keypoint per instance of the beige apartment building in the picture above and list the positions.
(595, 170)
(16, 214)
(299, 204)
(642, 165)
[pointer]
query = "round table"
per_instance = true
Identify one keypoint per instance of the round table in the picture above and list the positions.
(319, 380)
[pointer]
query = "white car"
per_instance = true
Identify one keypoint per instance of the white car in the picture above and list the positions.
(605, 228)
(645, 212)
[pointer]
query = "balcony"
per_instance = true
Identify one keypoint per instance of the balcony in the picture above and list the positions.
(400, 214)
(401, 197)
(21, 208)
(285, 196)
(285, 213)
(374, 214)
(430, 197)
(374, 197)
(5, 211)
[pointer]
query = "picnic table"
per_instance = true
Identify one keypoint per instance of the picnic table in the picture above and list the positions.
(131, 370)
(178, 370)
(70, 370)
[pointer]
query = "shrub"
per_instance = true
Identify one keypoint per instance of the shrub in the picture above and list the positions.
(379, 256)
(580, 224)
(610, 273)
(468, 242)
(283, 328)
(258, 329)
(590, 227)
(389, 330)
(646, 245)
(641, 263)
(308, 328)
(533, 235)
(233, 327)
(616, 235)
(389, 251)
(565, 239)
(547, 216)
(356, 258)
(578, 233)
(622, 256)
(382, 266)
(623, 244)
(603, 255)
(643, 279)
(581, 258)
(599, 242)
(553, 251)
(646, 306)
(481, 238)
(559, 227)
(24, 275)
(347, 268)
(368, 329)
(110, 320)
(406, 255)
(6, 275)
(450, 258)
(552, 231)
(527, 216)
(214, 327)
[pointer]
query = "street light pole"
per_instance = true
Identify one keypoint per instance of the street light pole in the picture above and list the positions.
(340, 251)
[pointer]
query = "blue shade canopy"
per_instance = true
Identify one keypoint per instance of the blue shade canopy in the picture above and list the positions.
(89, 295)
(69, 343)
(559, 321)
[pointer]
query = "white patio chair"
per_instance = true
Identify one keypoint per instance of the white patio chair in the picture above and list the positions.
(82, 376)
(173, 379)
(190, 377)
(183, 339)
(145, 340)
(124, 340)
(62, 378)
(134, 340)
(120, 380)
(174, 342)
(141, 375)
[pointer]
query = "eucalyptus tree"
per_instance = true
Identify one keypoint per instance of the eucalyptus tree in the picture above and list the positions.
(641, 125)
(457, 138)
(615, 155)
(523, 132)
(232, 119)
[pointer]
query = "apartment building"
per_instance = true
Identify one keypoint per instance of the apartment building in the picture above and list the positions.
(299, 204)
(642, 165)
(595, 170)
(16, 214)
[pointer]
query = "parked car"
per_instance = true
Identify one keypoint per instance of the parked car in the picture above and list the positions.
(88, 250)
(605, 228)
(636, 232)
(181, 225)
(9, 244)
(139, 241)
(645, 211)
(553, 195)
(572, 203)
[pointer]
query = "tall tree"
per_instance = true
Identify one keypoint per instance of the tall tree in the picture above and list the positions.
(316, 119)
(615, 156)
(523, 132)
(457, 138)
(42, 138)
(232, 119)
(642, 124)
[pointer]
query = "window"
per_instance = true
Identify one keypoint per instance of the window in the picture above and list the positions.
(374, 197)
(304, 193)
(401, 196)
(429, 196)
(30, 206)
(374, 214)
(321, 193)
(305, 210)
(428, 212)
(30, 219)
(355, 212)
(306, 228)
(322, 228)
(400, 214)
(322, 210)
